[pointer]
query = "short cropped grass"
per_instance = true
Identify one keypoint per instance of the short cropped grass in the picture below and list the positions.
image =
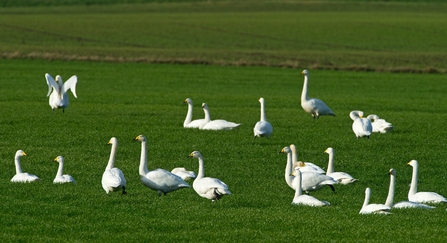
(128, 99)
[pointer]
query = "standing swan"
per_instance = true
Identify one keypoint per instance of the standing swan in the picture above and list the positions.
(380, 125)
(313, 106)
(421, 197)
(361, 126)
(209, 124)
(207, 187)
(113, 178)
(60, 178)
(262, 128)
(59, 96)
(159, 180)
(301, 199)
(22, 176)
(341, 177)
(188, 123)
(373, 208)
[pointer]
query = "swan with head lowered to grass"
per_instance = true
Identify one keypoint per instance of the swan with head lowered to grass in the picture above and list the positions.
(360, 126)
(379, 125)
(59, 96)
(60, 177)
(421, 197)
(373, 208)
(159, 180)
(209, 124)
(313, 106)
(342, 177)
(299, 198)
(113, 178)
(183, 173)
(262, 128)
(189, 123)
(310, 167)
(21, 176)
(208, 187)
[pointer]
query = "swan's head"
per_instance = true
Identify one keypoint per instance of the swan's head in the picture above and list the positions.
(305, 72)
(368, 191)
(195, 154)
(59, 159)
(372, 117)
(140, 138)
(392, 172)
(298, 164)
(356, 114)
(329, 150)
(58, 78)
(188, 101)
(413, 163)
(204, 106)
(285, 150)
(292, 147)
(261, 100)
(113, 140)
(20, 153)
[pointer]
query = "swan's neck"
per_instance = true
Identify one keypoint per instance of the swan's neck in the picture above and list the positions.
(263, 118)
(143, 160)
(304, 92)
(288, 171)
(188, 115)
(112, 157)
(17, 162)
(367, 196)
(414, 181)
(207, 115)
(201, 172)
(390, 199)
(60, 171)
(297, 185)
(294, 154)
(330, 165)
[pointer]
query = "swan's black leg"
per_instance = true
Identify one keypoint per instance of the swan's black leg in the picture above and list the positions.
(332, 188)
(124, 191)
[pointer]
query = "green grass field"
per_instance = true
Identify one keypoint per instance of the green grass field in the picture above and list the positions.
(124, 91)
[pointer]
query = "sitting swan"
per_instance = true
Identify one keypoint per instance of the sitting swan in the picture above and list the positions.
(373, 208)
(262, 128)
(421, 197)
(159, 180)
(215, 124)
(188, 123)
(60, 178)
(301, 199)
(313, 106)
(208, 187)
(22, 176)
(404, 204)
(309, 166)
(361, 126)
(113, 178)
(183, 173)
(341, 177)
(59, 96)
(379, 125)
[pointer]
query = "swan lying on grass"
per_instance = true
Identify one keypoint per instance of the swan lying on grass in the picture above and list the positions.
(189, 123)
(262, 128)
(59, 96)
(22, 176)
(421, 197)
(342, 177)
(301, 199)
(60, 177)
(113, 178)
(215, 124)
(313, 106)
(373, 208)
(183, 173)
(379, 125)
(361, 126)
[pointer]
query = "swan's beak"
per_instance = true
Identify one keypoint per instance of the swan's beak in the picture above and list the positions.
(293, 173)
(55, 159)
(302, 73)
(190, 155)
(24, 154)
(282, 151)
(138, 137)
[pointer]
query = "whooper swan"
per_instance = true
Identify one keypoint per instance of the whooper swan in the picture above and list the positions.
(22, 176)
(59, 96)
(361, 126)
(342, 177)
(313, 106)
(379, 125)
(215, 124)
(113, 178)
(309, 165)
(262, 128)
(208, 187)
(189, 123)
(183, 173)
(301, 199)
(159, 180)
(373, 208)
(421, 197)
(60, 177)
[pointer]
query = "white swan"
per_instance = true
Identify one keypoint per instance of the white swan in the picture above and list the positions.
(22, 176)
(361, 126)
(342, 177)
(159, 180)
(113, 178)
(404, 204)
(313, 106)
(215, 124)
(60, 177)
(301, 199)
(183, 173)
(311, 181)
(189, 123)
(379, 125)
(262, 128)
(421, 197)
(309, 165)
(59, 96)
(208, 187)
(373, 208)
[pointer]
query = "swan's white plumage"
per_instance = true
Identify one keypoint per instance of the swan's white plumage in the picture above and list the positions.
(57, 90)
(208, 187)
(183, 173)
(373, 208)
(159, 180)
(313, 106)
(361, 126)
(21, 176)
(189, 123)
(301, 199)
(113, 178)
(342, 177)
(215, 124)
(311, 167)
(421, 197)
(60, 177)
(262, 128)
(379, 125)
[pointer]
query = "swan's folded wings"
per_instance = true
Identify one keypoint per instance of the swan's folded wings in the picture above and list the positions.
(71, 84)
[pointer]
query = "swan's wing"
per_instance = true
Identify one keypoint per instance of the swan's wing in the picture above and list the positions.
(195, 123)
(51, 83)
(407, 204)
(309, 201)
(375, 208)
(427, 197)
(263, 128)
(315, 167)
(113, 178)
(71, 84)
(164, 178)
(342, 177)
(203, 185)
(219, 125)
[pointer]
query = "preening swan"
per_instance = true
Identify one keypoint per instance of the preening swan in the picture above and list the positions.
(309, 165)
(159, 180)
(183, 173)
(404, 204)
(189, 123)
(301, 199)
(60, 177)
(22, 176)
(379, 125)
(361, 126)
(421, 197)
(262, 128)
(113, 178)
(373, 208)
(342, 177)
(215, 124)
(208, 187)
(313, 106)
(59, 96)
